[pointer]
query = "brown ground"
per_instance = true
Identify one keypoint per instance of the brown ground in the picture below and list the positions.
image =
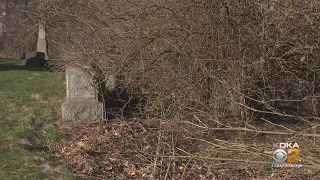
(154, 149)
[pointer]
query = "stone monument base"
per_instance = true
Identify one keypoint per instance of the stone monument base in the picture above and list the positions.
(32, 58)
(88, 111)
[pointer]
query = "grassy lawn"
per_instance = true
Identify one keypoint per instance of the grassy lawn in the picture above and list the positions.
(29, 108)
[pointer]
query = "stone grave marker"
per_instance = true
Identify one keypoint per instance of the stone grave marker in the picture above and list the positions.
(42, 44)
(82, 103)
(37, 58)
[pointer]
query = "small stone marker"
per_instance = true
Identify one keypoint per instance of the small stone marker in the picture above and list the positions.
(82, 103)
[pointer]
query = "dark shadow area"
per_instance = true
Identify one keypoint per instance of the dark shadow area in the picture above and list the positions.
(119, 102)
(13, 66)
(37, 63)
(275, 112)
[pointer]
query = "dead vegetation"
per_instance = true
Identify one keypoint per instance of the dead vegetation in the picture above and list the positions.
(157, 149)
(225, 78)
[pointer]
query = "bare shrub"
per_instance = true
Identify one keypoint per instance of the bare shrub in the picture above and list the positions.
(210, 58)
(173, 50)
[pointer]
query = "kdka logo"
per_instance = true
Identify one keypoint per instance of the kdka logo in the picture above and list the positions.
(286, 153)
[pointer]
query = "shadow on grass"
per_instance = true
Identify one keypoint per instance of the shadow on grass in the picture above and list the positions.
(6, 65)
(12, 66)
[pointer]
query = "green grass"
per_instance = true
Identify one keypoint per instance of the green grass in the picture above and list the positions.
(29, 108)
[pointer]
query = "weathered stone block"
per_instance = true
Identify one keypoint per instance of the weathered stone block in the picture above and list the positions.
(86, 111)
(82, 98)
(80, 85)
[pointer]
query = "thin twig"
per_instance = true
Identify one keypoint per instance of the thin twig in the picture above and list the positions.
(316, 166)
(254, 131)
(278, 125)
